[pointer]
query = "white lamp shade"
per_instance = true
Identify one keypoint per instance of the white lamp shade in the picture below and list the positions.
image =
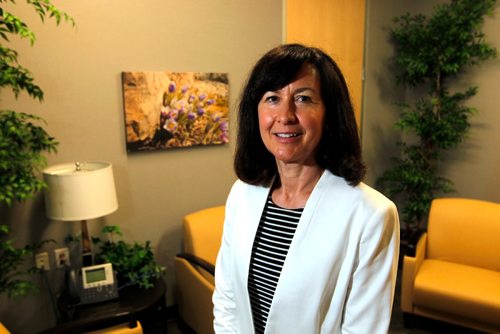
(80, 194)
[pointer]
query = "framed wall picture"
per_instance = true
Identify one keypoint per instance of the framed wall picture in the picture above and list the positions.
(166, 110)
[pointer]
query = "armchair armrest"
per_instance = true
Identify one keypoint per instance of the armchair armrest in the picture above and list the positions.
(193, 291)
(413, 241)
(411, 265)
(197, 261)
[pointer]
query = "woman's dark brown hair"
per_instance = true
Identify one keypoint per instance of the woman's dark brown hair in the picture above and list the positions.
(339, 149)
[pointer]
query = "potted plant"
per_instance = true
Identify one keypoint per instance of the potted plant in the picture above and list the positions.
(430, 52)
(134, 263)
(22, 143)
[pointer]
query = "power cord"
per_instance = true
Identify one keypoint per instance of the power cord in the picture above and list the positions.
(52, 298)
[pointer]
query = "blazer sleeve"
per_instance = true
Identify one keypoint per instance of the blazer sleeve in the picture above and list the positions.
(369, 301)
(225, 318)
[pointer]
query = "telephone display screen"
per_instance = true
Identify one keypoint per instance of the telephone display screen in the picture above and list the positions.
(95, 275)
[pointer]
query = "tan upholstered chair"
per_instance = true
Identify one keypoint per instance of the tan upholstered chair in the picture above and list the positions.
(454, 275)
(194, 268)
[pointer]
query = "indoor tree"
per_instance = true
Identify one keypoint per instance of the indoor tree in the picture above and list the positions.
(23, 141)
(430, 52)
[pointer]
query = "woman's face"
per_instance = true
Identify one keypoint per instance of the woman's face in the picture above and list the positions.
(291, 119)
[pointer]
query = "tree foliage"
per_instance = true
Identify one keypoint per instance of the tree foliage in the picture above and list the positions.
(12, 279)
(429, 53)
(22, 142)
(22, 139)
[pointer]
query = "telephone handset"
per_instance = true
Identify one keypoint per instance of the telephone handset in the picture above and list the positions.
(93, 284)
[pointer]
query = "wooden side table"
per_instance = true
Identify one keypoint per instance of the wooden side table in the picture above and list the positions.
(146, 305)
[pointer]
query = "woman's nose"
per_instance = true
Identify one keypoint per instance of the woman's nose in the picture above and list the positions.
(286, 114)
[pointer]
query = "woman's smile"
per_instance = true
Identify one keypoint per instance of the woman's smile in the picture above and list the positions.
(287, 135)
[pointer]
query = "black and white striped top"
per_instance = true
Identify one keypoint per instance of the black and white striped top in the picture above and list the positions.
(272, 241)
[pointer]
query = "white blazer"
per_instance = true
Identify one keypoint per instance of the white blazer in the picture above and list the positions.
(340, 271)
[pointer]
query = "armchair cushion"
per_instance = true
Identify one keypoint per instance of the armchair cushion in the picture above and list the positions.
(457, 289)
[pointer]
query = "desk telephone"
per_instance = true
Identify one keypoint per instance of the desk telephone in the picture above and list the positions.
(93, 284)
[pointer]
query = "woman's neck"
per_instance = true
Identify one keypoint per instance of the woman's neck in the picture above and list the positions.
(295, 184)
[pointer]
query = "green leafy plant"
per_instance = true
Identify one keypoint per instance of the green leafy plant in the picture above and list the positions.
(13, 280)
(22, 140)
(429, 53)
(21, 146)
(134, 263)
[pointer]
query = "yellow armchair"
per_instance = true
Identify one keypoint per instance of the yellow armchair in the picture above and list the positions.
(194, 268)
(132, 327)
(3, 330)
(454, 275)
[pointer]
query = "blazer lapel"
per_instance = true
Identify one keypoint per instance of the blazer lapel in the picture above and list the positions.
(302, 229)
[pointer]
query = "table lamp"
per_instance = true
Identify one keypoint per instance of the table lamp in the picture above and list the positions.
(78, 192)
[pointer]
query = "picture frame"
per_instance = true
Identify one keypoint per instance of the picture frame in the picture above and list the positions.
(165, 110)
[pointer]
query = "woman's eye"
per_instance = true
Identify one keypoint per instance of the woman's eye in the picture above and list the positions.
(271, 98)
(303, 98)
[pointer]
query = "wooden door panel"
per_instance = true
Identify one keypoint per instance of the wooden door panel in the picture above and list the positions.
(337, 27)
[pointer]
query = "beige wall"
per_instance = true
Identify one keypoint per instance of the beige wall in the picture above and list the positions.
(474, 165)
(79, 70)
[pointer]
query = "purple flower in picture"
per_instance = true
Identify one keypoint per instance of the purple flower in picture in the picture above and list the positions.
(201, 111)
(170, 125)
(210, 102)
(224, 138)
(171, 87)
(224, 126)
(173, 113)
(191, 98)
(185, 88)
(191, 115)
(181, 105)
(202, 96)
(165, 111)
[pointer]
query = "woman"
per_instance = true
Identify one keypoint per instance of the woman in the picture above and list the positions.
(307, 247)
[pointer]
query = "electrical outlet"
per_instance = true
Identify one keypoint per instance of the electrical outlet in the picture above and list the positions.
(42, 261)
(62, 257)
